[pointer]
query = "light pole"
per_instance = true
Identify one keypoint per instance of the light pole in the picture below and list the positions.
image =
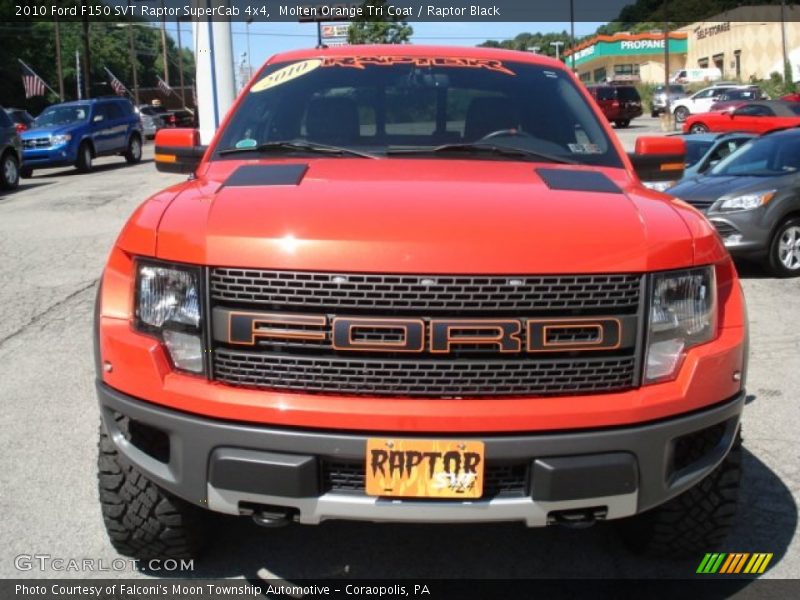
(534, 49)
(180, 64)
(249, 59)
(572, 33)
(558, 48)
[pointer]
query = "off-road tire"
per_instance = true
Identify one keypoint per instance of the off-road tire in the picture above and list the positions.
(776, 265)
(84, 161)
(696, 521)
(134, 152)
(142, 520)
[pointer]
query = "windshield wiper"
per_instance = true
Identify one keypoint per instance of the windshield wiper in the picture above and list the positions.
(484, 148)
(287, 145)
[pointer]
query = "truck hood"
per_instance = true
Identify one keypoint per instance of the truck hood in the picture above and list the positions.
(423, 216)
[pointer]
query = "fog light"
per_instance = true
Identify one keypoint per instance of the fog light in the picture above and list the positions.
(663, 358)
(186, 350)
(733, 239)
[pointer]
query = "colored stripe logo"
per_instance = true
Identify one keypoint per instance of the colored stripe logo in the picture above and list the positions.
(734, 563)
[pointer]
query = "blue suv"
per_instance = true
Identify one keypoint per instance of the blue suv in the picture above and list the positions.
(74, 133)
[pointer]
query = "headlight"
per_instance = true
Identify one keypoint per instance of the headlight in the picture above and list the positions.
(742, 202)
(60, 140)
(683, 314)
(659, 186)
(168, 306)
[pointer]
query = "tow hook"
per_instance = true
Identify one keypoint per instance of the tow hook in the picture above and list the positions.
(579, 518)
(267, 516)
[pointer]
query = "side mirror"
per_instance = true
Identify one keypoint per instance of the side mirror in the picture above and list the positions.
(659, 158)
(178, 150)
(97, 118)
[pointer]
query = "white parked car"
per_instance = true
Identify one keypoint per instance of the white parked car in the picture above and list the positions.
(701, 101)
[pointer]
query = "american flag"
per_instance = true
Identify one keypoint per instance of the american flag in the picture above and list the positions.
(117, 85)
(34, 85)
(164, 86)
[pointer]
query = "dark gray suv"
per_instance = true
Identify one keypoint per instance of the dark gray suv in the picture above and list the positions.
(752, 197)
(10, 152)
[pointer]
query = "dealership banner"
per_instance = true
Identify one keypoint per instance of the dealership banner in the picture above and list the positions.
(391, 589)
(343, 10)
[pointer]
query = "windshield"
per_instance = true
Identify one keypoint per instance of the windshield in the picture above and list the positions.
(380, 105)
(695, 150)
(62, 115)
(673, 89)
(764, 157)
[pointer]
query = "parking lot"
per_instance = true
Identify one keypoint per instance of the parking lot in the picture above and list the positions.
(55, 232)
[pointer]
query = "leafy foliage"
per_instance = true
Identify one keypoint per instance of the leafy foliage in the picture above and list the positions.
(527, 41)
(34, 42)
(378, 29)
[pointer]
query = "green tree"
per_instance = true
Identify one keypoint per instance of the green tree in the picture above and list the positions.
(34, 42)
(377, 27)
(528, 41)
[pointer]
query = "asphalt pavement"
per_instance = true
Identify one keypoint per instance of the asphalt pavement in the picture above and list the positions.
(55, 233)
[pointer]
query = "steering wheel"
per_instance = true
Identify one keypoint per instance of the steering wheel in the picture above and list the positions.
(506, 132)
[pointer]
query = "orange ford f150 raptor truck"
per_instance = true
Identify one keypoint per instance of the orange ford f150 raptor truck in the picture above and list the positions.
(418, 284)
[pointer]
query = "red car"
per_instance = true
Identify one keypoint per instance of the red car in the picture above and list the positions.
(756, 117)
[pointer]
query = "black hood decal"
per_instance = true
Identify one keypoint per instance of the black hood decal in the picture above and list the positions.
(258, 175)
(578, 181)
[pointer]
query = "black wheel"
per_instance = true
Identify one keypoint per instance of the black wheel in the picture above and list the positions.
(84, 161)
(654, 113)
(681, 113)
(142, 520)
(784, 250)
(696, 521)
(698, 128)
(622, 123)
(25, 172)
(134, 152)
(9, 172)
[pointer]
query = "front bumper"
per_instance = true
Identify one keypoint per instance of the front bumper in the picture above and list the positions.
(612, 472)
(49, 157)
(744, 233)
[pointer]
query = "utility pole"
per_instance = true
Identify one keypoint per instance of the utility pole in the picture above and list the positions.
(58, 60)
(249, 57)
(133, 60)
(572, 33)
(87, 58)
(78, 73)
(667, 121)
(180, 64)
(164, 44)
(557, 45)
(786, 71)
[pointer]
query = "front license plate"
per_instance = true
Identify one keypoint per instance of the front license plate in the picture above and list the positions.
(424, 468)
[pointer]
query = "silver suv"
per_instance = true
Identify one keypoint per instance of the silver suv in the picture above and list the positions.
(660, 94)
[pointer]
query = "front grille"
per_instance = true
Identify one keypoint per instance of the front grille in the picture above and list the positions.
(701, 204)
(424, 293)
(432, 378)
(313, 365)
(36, 143)
(499, 479)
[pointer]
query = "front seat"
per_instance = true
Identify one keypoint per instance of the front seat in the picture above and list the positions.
(486, 115)
(332, 121)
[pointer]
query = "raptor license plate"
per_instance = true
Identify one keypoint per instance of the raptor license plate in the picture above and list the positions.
(424, 468)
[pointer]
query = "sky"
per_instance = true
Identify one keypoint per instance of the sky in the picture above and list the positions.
(267, 39)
